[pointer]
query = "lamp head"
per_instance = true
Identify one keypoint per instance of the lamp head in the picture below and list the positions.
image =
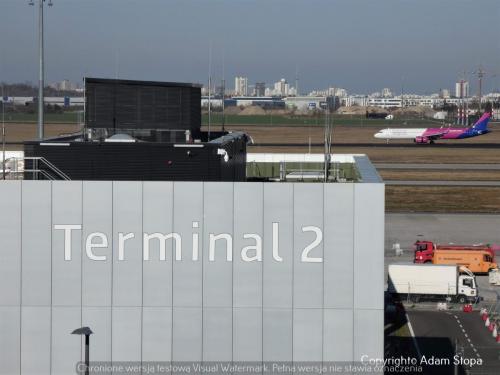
(82, 331)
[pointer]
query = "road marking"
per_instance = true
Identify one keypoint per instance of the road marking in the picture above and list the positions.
(412, 333)
(467, 337)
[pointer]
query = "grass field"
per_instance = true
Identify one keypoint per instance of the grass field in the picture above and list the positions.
(442, 199)
(253, 120)
(455, 175)
(338, 120)
(19, 132)
(66, 117)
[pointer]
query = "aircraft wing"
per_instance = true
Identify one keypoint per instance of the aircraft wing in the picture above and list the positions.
(436, 134)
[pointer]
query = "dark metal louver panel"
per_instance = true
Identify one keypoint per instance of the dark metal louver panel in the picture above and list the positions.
(121, 104)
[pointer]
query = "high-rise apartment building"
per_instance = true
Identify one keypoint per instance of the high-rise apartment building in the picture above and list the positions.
(281, 87)
(462, 89)
(241, 86)
(260, 89)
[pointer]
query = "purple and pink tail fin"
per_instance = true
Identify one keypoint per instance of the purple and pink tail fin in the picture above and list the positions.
(482, 123)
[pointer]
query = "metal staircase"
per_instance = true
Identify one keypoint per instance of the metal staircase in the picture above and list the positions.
(38, 168)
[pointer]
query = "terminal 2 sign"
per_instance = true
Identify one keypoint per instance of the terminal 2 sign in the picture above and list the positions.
(96, 242)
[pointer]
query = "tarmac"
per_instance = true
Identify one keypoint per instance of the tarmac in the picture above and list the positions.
(446, 334)
(406, 228)
(381, 145)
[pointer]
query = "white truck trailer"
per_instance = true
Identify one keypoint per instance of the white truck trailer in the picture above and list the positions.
(416, 281)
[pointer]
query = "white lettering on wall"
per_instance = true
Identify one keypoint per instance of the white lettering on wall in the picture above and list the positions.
(163, 239)
(229, 246)
(319, 237)
(67, 237)
(252, 252)
(90, 244)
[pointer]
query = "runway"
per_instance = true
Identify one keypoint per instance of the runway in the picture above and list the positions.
(439, 166)
(443, 183)
(383, 145)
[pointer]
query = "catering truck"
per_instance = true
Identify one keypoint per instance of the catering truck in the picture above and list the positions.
(477, 261)
(430, 281)
(424, 250)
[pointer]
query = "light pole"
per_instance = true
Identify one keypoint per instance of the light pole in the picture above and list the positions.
(41, 64)
(3, 131)
(85, 331)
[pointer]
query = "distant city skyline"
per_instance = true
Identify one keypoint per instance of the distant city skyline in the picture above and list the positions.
(363, 46)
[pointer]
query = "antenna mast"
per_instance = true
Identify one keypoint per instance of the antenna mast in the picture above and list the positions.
(480, 75)
(209, 88)
(41, 73)
(296, 80)
(223, 92)
(328, 136)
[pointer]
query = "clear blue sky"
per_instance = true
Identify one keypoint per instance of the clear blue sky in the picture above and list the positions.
(362, 45)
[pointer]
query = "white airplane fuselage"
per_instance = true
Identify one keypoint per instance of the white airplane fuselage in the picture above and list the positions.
(400, 133)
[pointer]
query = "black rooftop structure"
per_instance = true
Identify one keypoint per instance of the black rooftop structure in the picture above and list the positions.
(141, 130)
(124, 105)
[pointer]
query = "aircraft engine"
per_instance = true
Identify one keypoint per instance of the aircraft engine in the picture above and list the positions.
(421, 139)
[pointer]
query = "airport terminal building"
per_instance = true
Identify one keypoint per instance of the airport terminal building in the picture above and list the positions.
(279, 266)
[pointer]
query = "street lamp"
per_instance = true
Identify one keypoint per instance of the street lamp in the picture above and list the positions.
(41, 64)
(86, 331)
(3, 132)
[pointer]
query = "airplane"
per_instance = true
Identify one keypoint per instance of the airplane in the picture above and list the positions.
(429, 135)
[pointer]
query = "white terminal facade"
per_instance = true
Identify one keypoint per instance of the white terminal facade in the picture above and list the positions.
(256, 271)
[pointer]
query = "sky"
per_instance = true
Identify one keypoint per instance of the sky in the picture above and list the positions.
(362, 45)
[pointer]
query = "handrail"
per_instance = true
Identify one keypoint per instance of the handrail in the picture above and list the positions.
(41, 171)
(51, 167)
(61, 174)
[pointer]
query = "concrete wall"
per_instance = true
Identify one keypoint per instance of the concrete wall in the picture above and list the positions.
(189, 310)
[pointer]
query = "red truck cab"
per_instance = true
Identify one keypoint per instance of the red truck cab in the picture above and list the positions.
(424, 250)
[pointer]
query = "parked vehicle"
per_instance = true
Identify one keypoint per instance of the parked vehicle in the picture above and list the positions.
(424, 250)
(418, 281)
(477, 261)
(494, 277)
